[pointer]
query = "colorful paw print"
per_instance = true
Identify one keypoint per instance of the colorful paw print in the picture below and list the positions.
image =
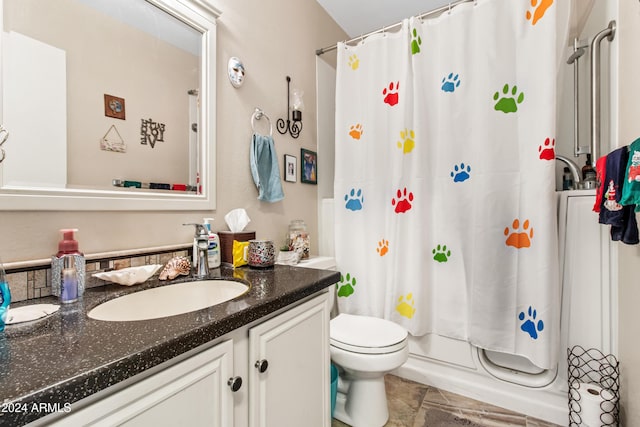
(539, 9)
(461, 173)
(450, 83)
(354, 62)
(519, 239)
(548, 151)
(416, 41)
(403, 201)
(507, 102)
(355, 131)
(354, 200)
(383, 247)
(530, 326)
(407, 141)
(346, 285)
(441, 253)
(406, 306)
(391, 93)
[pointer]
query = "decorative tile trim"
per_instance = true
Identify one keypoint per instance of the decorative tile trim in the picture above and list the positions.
(32, 279)
(24, 265)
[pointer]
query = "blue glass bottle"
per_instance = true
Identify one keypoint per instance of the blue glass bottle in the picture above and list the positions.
(5, 297)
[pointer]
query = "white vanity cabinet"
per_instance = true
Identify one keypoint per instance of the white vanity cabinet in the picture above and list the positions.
(289, 372)
(280, 368)
(193, 392)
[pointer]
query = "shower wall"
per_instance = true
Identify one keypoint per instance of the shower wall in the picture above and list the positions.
(588, 18)
(628, 129)
(620, 127)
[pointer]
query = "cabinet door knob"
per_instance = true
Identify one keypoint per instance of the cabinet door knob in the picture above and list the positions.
(262, 365)
(234, 383)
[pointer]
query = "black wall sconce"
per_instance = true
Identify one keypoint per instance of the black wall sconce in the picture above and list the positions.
(293, 125)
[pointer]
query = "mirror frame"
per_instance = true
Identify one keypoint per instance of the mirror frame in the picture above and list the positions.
(200, 15)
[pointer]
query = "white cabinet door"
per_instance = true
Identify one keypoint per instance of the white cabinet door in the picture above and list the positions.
(191, 393)
(292, 350)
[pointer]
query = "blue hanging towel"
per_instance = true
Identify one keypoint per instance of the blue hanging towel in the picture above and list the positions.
(265, 169)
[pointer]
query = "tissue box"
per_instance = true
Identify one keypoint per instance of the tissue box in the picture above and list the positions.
(226, 242)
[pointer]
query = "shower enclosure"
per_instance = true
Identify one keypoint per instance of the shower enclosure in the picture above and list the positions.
(587, 258)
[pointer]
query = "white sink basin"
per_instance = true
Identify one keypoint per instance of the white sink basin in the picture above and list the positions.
(168, 300)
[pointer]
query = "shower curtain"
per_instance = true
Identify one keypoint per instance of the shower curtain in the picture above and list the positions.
(445, 217)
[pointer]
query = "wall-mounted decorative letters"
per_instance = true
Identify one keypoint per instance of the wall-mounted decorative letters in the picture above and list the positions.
(114, 107)
(151, 132)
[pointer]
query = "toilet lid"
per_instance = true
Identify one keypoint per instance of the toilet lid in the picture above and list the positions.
(364, 334)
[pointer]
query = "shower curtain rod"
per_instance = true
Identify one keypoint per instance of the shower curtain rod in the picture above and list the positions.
(383, 29)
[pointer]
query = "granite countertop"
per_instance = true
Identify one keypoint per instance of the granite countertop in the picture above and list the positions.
(69, 356)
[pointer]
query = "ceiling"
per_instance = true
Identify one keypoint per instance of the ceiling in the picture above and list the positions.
(358, 17)
(152, 20)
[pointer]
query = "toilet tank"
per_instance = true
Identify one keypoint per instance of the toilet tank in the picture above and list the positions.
(319, 262)
(323, 263)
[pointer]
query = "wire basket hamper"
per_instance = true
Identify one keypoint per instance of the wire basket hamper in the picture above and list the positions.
(592, 367)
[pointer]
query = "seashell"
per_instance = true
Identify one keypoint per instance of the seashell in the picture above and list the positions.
(175, 267)
(129, 276)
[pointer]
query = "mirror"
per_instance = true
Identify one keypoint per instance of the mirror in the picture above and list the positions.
(110, 105)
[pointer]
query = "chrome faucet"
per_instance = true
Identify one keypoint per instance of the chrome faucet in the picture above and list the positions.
(573, 167)
(202, 243)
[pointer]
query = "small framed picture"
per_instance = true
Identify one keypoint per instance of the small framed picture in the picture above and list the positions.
(114, 107)
(309, 168)
(290, 166)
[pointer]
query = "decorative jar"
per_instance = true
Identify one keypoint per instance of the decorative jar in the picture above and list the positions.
(299, 238)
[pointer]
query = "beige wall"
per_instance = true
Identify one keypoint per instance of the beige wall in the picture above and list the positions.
(629, 256)
(273, 39)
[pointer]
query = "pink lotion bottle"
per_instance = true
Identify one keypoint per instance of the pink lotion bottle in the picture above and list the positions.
(68, 269)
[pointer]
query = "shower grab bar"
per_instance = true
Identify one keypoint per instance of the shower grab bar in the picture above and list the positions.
(609, 33)
(579, 49)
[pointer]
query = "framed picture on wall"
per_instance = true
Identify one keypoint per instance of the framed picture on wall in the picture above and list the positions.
(114, 107)
(309, 167)
(290, 166)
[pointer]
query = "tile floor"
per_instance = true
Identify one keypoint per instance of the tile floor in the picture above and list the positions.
(416, 405)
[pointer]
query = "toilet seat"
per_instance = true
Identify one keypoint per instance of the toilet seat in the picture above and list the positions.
(366, 335)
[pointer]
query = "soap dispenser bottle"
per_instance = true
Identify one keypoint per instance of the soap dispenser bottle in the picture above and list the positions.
(588, 172)
(213, 252)
(68, 269)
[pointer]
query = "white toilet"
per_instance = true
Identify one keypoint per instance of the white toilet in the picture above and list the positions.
(365, 349)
